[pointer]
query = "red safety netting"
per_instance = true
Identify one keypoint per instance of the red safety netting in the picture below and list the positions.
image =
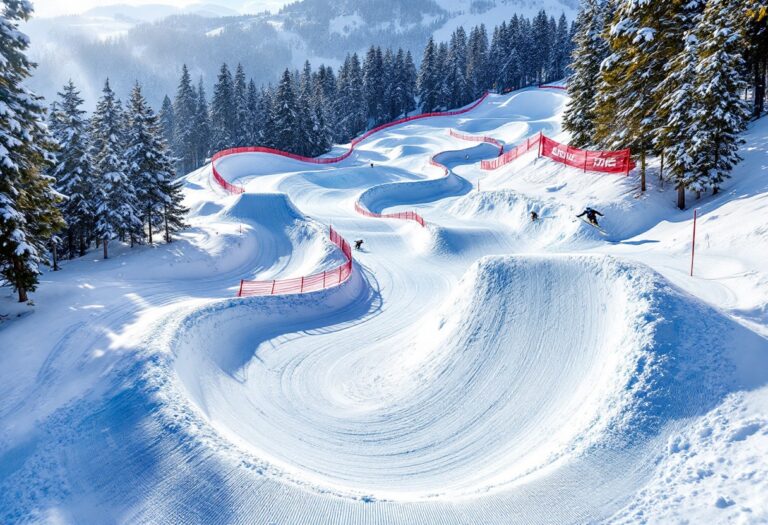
(312, 283)
(619, 162)
(550, 86)
(327, 160)
(478, 138)
(530, 143)
(405, 215)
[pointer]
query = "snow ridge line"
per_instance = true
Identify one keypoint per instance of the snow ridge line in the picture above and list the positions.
(312, 283)
(235, 189)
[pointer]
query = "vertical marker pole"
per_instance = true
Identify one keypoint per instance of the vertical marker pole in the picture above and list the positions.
(693, 243)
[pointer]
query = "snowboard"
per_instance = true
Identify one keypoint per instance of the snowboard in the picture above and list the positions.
(598, 228)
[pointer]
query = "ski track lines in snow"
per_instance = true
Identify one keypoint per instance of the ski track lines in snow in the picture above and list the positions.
(444, 382)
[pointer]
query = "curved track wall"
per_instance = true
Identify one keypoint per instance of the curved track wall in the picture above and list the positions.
(312, 283)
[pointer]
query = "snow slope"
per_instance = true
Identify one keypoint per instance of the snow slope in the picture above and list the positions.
(482, 369)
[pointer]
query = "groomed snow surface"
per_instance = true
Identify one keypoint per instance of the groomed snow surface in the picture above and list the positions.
(482, 369)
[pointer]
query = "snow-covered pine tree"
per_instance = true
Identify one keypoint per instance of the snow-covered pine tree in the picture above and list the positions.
(443, 89)
(561, 48)
(457, 69)
(477, 62)
(266, 110)
(202, 126)
(242, 134)
(223, 112)
(677, 112)
(305, 115)
(643, 38)
(719, 83)
(410, 79)
(115, 203)
(69, 129)
(184, 110)
(149, 165)
(29, 215)
(591, 50)
(390, 86)
(284, 111)
(373, 85)
(174, 211)
(428, 81)
(254, 115)
(167, 120)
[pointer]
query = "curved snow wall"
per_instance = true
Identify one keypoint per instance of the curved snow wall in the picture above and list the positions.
(412, 215)
(600, 161)
(232, 188)
(312, 283)
(478, 138)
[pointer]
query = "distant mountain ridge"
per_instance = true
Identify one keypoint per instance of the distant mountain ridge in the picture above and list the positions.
(150, 43)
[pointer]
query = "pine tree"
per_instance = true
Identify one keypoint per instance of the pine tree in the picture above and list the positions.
(266, 110)
(591, 50)
(254, 114)
(28, 213)
(678, 113)
(643, 39)
(173, 209)
(69, 129)
(149, 165)
(184, 110)
(202, 127)
(457, 69)
(561, 48)
(241, 108)
(166, 120)
(373, 85)
(477, 59)
(115, 202)
(285, 118)
(428, 82)
(223, 112)
(719, 84)
(410, 79)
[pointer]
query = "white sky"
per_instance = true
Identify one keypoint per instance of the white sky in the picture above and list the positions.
(64, 7)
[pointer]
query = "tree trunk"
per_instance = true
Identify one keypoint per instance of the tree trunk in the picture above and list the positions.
(715, 190)
(681, 197)
(167, 231)
(105, 242)
(642, 170)
(759, 84)
(149, 223)
(70, 245)
(82, 245)
(661, 166)
(55, 254)
(20, 288)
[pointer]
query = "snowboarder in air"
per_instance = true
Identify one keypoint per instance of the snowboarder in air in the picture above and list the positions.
(591, 216)
(358, 244)
(534, 216)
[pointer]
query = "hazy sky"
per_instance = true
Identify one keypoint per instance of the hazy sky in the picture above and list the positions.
(62, 7)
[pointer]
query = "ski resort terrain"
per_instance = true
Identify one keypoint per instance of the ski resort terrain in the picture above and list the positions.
(479, 368)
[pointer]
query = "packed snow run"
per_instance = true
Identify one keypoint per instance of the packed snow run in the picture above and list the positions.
(482, 368)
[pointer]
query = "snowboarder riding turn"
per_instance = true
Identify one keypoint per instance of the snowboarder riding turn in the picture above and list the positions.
(358, 244)
(534, 216)
(591, 216)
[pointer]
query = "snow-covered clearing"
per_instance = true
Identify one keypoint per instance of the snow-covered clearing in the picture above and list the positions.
(483, 369)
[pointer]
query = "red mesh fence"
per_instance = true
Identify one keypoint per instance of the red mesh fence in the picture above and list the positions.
(550, 86)
(619, 162)
(530, 144)
(478, 138)
(312, 283)
(405, 215)
(326, 160)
